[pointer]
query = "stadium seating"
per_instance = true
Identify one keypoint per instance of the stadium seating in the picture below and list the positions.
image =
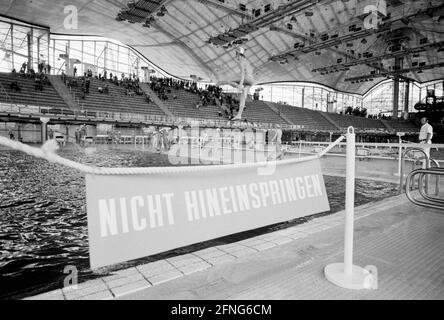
(48, 97)
(345, 121)
(311, 119)
(185, 105)
(258, 111)
(401, 125)
(308, 118)
(115, 101)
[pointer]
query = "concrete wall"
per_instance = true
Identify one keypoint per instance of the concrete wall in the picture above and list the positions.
(70, 130)
(28, 132)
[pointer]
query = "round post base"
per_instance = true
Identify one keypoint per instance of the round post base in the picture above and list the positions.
(357, 281)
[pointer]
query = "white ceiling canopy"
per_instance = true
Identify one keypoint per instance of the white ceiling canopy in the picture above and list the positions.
(348, 45)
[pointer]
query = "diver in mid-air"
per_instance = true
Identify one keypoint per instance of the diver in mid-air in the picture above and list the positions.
(245, 83)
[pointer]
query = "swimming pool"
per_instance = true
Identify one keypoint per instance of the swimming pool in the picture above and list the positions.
(43, 225)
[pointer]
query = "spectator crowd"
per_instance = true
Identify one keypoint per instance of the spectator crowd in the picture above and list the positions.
(40, 77)
(131, 83)
(210, 95)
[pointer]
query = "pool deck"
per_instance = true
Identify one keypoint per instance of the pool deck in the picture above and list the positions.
(403, 241)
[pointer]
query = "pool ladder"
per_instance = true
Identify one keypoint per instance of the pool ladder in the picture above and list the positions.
(427, 200)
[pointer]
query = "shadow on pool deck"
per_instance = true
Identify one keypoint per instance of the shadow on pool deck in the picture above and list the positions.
(403, 241)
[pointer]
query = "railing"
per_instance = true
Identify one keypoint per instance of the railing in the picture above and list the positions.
(430, 202)
(372, 150)
(16, 108)
(5, 93)
(166, 120)
(426, 160)
(134, 117)
(375, 161)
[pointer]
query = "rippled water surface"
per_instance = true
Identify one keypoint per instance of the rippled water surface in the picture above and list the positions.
(43, 225)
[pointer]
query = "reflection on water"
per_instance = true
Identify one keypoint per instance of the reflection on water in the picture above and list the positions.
(43, 225)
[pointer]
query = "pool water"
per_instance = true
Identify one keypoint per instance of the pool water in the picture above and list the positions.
(43, 225)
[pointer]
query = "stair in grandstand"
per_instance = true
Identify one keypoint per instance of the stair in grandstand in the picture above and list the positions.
(64, 93)
(259, 111)
(309, 119)
(276, 110)
(326, 115)
(146, 88)
(387, 125)
(183, 103)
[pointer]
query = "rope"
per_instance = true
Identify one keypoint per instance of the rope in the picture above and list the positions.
(330, 147)
(47, 152)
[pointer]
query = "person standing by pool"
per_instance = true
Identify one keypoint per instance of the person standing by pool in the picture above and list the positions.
(11, 134)
(155, 139)
(278, 136)
(77, 134)
(83, 135)
(279, 153)
(164, 143)
(426, 135)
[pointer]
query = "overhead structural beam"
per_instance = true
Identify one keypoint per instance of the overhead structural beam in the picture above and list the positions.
(350, 57)
(264, 21)
(289, 33)
(376, 59)
(316, 43)
(231, 10)
(397, 73)
(141, 10)
(319, 45)
(304, 38)
(283, 11)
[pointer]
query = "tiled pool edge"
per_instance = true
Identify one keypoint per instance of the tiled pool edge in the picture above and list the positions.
(134, 279)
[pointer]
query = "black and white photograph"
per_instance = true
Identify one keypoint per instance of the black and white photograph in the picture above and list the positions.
(220, 156)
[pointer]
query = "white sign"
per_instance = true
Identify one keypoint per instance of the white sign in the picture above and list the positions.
(134, 216)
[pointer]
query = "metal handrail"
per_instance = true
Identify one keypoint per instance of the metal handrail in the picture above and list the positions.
(427, 158)
(8, 98)
(437, 180)
(431, 202)
(424, 194)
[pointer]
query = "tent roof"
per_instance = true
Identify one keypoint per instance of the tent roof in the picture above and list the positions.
(178, 42)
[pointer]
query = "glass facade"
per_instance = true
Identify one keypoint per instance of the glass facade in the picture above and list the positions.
(98, 55)
(380, 98)
(23, 43)
(308, 95)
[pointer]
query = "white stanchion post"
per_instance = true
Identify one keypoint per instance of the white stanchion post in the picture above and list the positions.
(300, 148)
(349, 201)
(400, 135)
(44, 130)
(346, 275)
